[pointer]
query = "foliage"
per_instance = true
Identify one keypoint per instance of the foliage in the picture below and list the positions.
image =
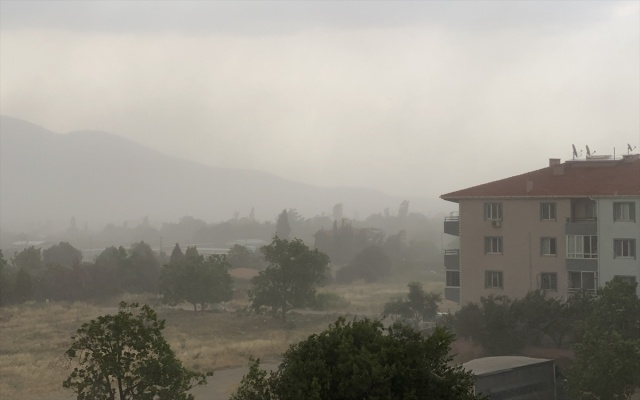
(62, 254)
(291, 278)
(29, 259)
(191, 278)
(283, 229)
(370, 264)
(124, 356)
(363, 360)
(608, 346)
(492, 323)
(242, 256)
(418, 306)
(541, 315)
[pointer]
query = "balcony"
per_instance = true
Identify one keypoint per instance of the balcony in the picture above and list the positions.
(581, 226)
(452, 225)
(582, 264)
(452, 259)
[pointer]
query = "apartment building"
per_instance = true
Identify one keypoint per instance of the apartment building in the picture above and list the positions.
(563, 228)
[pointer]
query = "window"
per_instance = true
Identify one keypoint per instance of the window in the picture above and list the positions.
(493, 279)
(493, 245)
(579, 246)
(624, 212)
(624, 248)
(493, 211)
(548, 246)
(549, 281)
(548, 211)
(582, 280)
(453, 278)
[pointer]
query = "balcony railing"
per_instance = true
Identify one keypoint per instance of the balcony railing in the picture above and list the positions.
(581, 226)
(452, 225)
(452, 259)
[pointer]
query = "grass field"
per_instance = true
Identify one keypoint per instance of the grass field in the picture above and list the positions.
(34, 337)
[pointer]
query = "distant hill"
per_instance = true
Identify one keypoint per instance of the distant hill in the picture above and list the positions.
(99, 178)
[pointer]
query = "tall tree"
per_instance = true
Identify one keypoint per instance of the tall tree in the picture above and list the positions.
(418, 306)
(125, 356)
(291, 278)
(30, 259)
(363, 360)
(193, 279)
(608, 348)
(63, 254)
(283, 229)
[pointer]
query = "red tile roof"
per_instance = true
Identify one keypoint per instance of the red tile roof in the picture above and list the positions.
(582, 178)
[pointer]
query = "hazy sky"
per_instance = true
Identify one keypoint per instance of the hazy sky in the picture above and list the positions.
(412, 98)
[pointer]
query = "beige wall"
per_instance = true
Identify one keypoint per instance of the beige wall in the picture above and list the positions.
(521, 261)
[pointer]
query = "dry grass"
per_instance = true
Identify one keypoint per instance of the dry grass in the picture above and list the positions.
(34, 337)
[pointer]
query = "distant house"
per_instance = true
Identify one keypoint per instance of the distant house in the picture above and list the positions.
(514, 377)
(563, 228)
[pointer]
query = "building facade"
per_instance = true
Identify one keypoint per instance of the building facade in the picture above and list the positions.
(564, 228)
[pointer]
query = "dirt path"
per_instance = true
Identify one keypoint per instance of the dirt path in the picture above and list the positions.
(219, 387)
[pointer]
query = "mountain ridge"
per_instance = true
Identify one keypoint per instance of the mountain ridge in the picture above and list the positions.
(102, 177)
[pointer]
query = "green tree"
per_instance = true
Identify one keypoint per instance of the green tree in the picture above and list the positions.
(24, 290)
(493, 324)
(363, 360)
(63, 254)
(125, 356)
(191, 278)
(283, 228)
(142, 269)
(608, 346)
(290, 279)
(541, 315)
(242, 256)
(208, 282)
(5, 283)
(418, 306)
(30, 259)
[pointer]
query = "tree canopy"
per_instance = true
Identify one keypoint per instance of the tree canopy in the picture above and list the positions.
(607, 364)
(363, 360)
(290, 279)
(192, 278)
(418, 305)
(125, 357)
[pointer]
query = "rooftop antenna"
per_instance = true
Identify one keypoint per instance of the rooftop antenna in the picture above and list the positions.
(629, 148)
(575, 152)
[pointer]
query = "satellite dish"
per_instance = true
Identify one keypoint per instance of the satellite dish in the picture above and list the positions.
(575, 152)
(589, 151)
(629, 148)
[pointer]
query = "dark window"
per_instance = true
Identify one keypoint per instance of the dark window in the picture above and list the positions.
(582, 280)
(493, 211)
(624, 212)
(548, 246)
(493, 245)
(453, 278)
(493, 279)
(549, 281)
(624, 248)
(548, 211)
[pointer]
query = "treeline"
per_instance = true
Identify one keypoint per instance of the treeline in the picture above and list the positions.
(602, 327)
(59, 274)
(190, 230)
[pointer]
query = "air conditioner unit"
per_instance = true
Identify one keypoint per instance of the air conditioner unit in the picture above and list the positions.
(497, 223)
